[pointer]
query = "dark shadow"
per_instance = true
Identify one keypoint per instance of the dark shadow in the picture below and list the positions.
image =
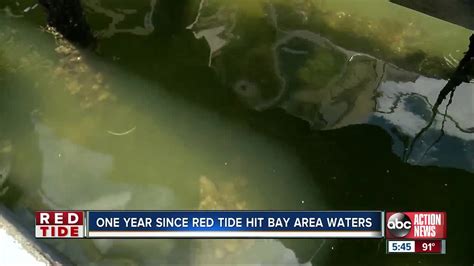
(355, 169)
(67, 17)
(460, 12)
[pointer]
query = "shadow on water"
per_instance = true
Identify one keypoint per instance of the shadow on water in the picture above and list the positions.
(356, 169)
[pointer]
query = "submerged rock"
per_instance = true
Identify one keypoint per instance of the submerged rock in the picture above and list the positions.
(80, 78)
(221, 197)
(227, 196)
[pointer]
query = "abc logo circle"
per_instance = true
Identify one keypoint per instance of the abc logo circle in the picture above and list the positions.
(399, 224)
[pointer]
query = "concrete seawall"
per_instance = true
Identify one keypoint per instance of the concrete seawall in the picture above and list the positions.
(19, 247)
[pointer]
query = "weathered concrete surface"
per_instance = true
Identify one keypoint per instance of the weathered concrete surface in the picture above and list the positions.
(19, 247)
(460, 12)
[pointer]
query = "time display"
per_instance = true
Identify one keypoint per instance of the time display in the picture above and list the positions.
(400, 246)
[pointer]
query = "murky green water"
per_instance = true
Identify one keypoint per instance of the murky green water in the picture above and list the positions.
(202, 105)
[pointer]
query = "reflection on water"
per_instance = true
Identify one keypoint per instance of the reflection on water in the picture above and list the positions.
(118, 15)
(331, 85)
(404, 108)
(131, 127)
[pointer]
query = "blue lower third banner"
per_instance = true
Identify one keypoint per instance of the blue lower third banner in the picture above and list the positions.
(234, 224)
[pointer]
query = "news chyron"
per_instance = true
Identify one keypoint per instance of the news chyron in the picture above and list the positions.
(405, 232)
(416, 232)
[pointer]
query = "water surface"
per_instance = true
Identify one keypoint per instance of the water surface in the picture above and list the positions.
(202, 105)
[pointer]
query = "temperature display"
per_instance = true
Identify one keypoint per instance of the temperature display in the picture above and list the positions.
(430, 246)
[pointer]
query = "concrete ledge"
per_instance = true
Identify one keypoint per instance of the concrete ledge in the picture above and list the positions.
(19, 247)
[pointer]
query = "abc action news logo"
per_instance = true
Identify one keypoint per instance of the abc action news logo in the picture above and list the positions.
(416, 225)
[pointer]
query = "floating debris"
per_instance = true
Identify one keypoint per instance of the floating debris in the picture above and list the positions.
(121, 133)
(30, 8)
